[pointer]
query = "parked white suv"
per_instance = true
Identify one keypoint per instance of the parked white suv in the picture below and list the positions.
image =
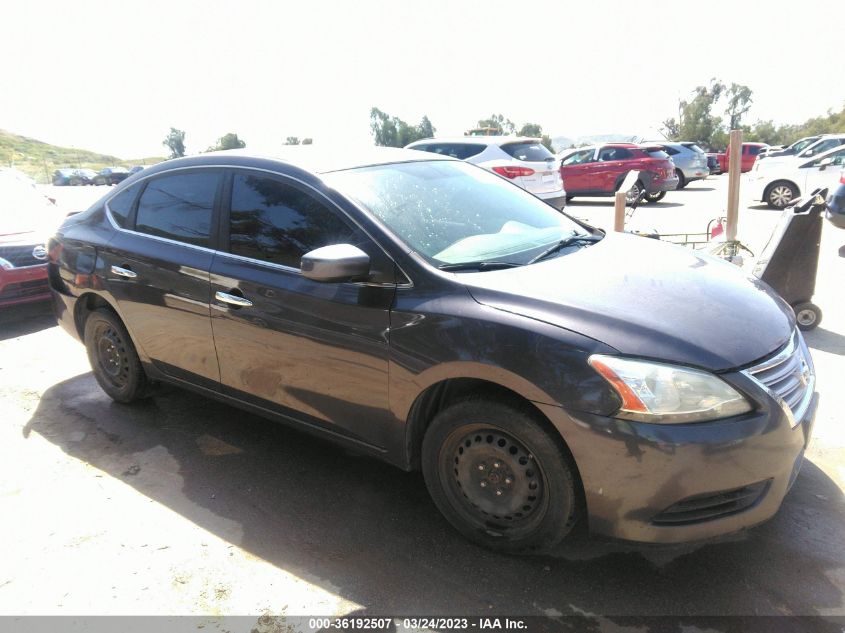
(780, 182)
(524, 161)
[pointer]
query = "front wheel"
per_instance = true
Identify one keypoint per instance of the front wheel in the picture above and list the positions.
(780, 194)
(113, 358)
(498, 477)
(655, 196)
(808, 315)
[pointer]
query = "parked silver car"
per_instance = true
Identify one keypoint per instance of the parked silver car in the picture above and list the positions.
(524, 161)
(690, 161)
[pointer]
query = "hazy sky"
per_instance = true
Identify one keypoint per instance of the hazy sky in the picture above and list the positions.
(114, 77)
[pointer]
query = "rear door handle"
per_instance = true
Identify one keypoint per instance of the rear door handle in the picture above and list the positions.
(123, 272)
(231, 299)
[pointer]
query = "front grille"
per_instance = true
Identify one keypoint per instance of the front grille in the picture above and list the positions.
(788, 377)
(25, 289)
(19, 256)
(712, 506)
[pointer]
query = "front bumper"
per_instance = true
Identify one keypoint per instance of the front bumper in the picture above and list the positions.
(633, 473)
(23, 285)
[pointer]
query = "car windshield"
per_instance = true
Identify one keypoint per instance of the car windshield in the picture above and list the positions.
(453, 213)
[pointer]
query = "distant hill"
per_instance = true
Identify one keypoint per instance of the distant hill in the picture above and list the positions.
(561, 143)
(39, 160)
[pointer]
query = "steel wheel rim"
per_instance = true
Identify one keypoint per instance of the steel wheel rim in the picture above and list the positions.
(112, 357)
(781, 195)
(633, 193)
(806, 317)
(494, 481)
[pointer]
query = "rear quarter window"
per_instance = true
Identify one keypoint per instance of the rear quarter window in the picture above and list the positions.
(657, 153)
(530, 152)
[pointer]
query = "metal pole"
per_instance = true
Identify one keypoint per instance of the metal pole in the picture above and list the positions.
(619, 211)
(734, 172)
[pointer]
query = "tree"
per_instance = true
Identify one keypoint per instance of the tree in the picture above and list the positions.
(531, 129)
(391, 131)
(307, 141)
(739, 103)
(227, 141)
(500, 123)
(292, 140)
(176, 142)
(696, 121)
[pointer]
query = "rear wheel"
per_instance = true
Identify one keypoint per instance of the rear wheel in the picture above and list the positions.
(75, 182)
(498, 477)
(682, 182)
(634, 193)
(780, 194)
(808, 315)
(655, 196)
(113, 358)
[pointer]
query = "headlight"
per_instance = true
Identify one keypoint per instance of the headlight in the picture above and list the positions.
(5, 264)
(655, 392)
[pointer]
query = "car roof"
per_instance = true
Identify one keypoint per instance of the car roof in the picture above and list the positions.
(475, 140)
(311, 158)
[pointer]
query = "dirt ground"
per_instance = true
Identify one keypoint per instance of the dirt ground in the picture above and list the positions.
(181, 505)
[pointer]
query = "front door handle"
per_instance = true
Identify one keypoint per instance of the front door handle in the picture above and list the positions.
(123, 272)
(231, 299)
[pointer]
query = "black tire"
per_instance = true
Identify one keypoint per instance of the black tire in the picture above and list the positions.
(807, 315)
(682, 182)
(498, 477)
(113, 358)
(780, 193)
(655, 196)
(75, 182)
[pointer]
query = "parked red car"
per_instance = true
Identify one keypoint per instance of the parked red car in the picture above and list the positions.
(26, 219)
(749, 155)
(599, 170)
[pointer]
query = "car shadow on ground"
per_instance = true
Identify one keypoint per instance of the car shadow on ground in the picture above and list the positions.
(825, 341)
(26, 318)
(692, 187)
(370, 533)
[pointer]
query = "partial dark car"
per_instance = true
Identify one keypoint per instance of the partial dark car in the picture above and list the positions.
(836, 204)
(111, 176)
(599, 170)
(74, 177)
(427, 312)
(713, 163)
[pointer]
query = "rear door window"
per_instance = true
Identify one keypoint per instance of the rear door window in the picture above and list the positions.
(120, 206)
(179, 207)
(614, 153)
(529, 152)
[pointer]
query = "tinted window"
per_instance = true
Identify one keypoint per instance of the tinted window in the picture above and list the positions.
(277, 223)
(614, 153)
(837, 157)
(584, 156)
(455, 150)
(671, 151)
(797, 146)
(179, 207)
(693, 147)
(753, 150)
(121, 205)
(657, 153)
(531, 152)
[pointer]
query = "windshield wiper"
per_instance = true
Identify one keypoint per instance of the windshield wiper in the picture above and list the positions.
(480, 266)
(569, 240)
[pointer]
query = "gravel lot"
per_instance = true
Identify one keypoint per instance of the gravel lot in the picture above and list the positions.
(186, 506)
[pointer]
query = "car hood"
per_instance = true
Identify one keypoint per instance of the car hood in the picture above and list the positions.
(649, 299)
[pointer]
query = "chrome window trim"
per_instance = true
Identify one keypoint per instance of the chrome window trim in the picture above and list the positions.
(795, 345)
(282, 267)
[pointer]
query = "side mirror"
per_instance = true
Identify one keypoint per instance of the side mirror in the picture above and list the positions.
(338, 262)
(825, 162)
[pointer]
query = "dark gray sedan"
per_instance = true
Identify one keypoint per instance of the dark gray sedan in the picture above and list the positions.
(426, 312)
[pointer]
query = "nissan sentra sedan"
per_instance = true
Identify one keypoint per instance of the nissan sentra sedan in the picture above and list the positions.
(426, 312)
